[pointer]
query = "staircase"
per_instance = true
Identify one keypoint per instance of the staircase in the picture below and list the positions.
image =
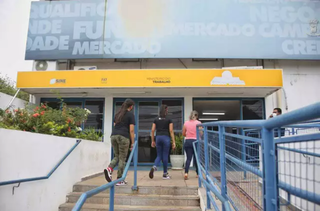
(153, 198)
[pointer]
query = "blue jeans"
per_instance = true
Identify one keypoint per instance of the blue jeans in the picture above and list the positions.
(163, 149)
(188, 148)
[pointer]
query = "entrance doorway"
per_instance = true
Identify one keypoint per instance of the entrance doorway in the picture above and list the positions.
(145, 111)
(234, 109)
(212, 109)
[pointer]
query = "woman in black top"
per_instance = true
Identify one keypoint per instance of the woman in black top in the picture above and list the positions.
(164, 128)
(122, 132)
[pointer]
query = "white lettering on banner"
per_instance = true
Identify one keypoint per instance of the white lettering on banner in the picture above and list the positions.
(293, 29)
(211, 29)
(64, 43)
(88, 28)
(45, 27)
(71, 11)
(278, 14)
(283, 30)
(65, 10)
(48, 43)
(94, 29)
(116, 47)
(301, 47)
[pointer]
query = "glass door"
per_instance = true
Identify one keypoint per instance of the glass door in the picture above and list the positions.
(147, 112)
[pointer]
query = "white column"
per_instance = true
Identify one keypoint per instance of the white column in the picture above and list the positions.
(36, 99)
(108, 116)
(188, 107)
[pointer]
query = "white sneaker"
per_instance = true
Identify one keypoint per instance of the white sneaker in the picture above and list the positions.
(122, 183)
(166, 176)
(108, 174)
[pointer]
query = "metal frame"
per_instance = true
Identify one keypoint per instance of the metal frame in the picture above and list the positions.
(269, 148)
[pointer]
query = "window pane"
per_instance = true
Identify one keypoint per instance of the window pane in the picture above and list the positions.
(252, 109)
(94, 121)
(54, 105)
(96, 107)
(148, 111)
(117, 107)
(175, 112)
(74, 104)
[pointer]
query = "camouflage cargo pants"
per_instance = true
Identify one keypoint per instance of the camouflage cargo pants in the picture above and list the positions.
(120, 146)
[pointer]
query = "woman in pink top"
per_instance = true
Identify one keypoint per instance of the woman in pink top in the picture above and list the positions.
(190, 132)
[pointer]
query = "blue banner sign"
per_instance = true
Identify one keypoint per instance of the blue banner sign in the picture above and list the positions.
(257, 29)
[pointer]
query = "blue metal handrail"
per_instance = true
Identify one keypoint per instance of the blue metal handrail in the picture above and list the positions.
(209, 184)
(269, 146)
(48, 175)
(88, 194)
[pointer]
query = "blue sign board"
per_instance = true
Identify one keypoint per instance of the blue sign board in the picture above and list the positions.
(255, 29)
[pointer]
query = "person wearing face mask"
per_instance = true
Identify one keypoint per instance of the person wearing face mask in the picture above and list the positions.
(277, 112)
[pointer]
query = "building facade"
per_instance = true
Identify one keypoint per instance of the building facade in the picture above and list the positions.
(95, 54)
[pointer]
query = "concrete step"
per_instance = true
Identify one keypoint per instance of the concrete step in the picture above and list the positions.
(140, 199)
(105, 207)
(150, 190)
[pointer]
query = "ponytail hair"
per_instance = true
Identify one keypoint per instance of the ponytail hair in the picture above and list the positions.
(123, 110)
(194, 115)
(163, 111)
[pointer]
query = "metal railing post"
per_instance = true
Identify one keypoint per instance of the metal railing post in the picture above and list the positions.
(135, 164)
(111, 199)
(223, 163)
(243, 150)
(206, 166)
(198, 153)
(270, 189)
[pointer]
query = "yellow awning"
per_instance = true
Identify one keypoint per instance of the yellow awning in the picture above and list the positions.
(151, 78)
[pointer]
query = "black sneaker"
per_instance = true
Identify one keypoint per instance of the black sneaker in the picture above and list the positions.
(152, 172)
(108, 174)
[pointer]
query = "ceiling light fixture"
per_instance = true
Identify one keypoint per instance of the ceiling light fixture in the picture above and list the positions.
(212, 113)
(208, 119)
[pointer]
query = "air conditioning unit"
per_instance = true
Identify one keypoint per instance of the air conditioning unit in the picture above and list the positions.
(45, 65)
(85, 67)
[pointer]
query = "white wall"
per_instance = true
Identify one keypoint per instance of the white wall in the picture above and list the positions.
(108, 123)
(300, 85)
(5, 100)
(24, 154)
(14, 21)
(300, 171)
